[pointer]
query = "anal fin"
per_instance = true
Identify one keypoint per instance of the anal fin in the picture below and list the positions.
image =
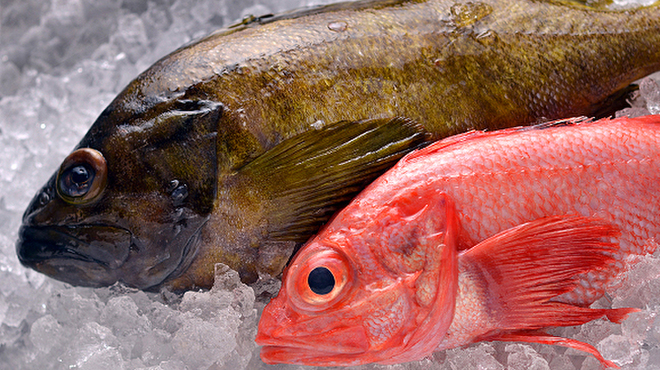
(543, 338)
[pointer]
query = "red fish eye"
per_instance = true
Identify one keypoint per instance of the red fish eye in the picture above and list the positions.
(317, 279)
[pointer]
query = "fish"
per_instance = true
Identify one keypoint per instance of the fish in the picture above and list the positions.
(238, 147)
(483, 236)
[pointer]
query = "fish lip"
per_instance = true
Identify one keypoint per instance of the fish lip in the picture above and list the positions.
(309, 355)
(35, 245)
(306, 347)
(310, 348)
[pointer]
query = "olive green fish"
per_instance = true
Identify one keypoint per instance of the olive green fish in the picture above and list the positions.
(238, 147)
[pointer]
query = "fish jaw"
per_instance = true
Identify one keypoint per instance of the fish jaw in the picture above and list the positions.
(98, 254)
(352, 335)
(347, 342)
(85, 255)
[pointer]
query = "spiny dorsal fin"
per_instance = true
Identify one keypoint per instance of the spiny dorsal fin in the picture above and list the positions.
(312, 175)
(457, 139)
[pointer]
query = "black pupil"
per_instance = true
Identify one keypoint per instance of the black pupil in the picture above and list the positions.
(321, 281)
(76, 181)
(79, 174)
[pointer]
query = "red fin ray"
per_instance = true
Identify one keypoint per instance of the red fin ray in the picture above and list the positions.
(531, 263)
(524, 268)
(479, 134)
(543, 338)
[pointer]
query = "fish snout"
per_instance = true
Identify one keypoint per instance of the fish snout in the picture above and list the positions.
(40, 204)
(285, 334)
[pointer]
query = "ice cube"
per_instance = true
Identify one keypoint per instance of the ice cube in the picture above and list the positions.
(166, 365)
(561, 362)
(619, 349)
(131, 37)
(95, 348)
(156, 347)
(479, 356)
(632, 112)
(121, 314)
(122, 317)
(71, 308)
(45, 333)
(201, 343)
(4, 307)
(10, 78)
(524, 357)
(650, 91)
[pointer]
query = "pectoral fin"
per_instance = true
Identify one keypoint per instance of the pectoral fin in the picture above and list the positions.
(525, 269)
(310, 176)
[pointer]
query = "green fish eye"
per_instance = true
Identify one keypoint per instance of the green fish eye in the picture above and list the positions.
(82, 176)
(321, 281)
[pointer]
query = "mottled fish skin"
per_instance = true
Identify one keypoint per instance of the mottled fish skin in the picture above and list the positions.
(480, 236)
(175, 140)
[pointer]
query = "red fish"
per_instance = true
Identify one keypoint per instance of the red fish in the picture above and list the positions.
(482, 236)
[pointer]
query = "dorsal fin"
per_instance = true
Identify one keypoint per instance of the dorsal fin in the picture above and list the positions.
(475, 135)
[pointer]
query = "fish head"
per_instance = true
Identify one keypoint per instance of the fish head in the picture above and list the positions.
(128, 203)
(370, 288)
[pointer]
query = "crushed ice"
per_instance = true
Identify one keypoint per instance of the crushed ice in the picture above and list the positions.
(61, 63)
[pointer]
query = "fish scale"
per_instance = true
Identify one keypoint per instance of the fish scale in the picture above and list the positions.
(609, 170)
(565, 183)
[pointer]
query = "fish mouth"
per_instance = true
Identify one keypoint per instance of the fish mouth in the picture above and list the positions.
(299, 356)
(309, 356)
(74, 253)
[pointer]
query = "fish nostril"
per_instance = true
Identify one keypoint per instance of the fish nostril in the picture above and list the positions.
(179, 195)
(39, 202)
(44, 198)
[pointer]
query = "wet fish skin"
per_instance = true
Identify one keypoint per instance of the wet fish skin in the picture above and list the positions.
(238, 94)
(480, 236)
